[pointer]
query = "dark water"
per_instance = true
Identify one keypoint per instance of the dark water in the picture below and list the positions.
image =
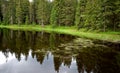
(40, 52)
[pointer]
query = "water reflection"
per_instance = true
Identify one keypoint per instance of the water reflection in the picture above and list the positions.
(40, 52)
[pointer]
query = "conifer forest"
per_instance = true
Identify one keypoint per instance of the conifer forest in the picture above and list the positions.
(59, 36)
(99, 15)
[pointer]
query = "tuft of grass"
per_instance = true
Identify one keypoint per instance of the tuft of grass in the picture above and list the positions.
(107, 36)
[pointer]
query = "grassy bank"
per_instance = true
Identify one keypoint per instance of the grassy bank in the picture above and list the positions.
(107, 36)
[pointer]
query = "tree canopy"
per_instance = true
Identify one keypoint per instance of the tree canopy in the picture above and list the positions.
(89, 14)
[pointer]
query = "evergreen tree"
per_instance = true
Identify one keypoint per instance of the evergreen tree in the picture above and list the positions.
(32, 11)
(67, 12)
(25, 10)
(5, 12)
(43, 12)
(12, 11)
(19, 12)
(0, 11)
(80, 13)
(110, 14)
(92, 15)
(99, 15)
(117, 12)
(54, 13)
(27, 20)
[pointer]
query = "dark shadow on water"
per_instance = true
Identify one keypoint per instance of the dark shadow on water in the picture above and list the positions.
(41, 52)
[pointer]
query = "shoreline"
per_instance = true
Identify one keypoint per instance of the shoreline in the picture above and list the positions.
(103, 36)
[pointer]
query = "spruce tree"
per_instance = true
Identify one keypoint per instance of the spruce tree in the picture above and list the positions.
(19, 13)
(12, 11)
(0, 11)
(80, 13)
(25, 10)
(43, 12)
(67, 12)
(54, 13)
(5, 11)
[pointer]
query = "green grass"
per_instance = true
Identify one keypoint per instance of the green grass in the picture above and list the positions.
(107, 36)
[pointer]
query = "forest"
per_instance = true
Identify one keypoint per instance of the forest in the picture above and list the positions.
(59, 36)
(101, 15)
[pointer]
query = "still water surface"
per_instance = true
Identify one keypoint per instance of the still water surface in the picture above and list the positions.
(40, 52)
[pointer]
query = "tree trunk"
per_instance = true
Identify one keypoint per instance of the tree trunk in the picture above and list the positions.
(11, 20)
(104, 28)
(42, 22)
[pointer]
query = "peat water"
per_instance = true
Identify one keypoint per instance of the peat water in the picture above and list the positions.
(41, 52)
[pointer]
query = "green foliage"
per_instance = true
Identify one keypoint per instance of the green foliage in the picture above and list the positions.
(43, 12)
(54, 13)
(67, 12)
(107, 36)
(79, 20)
(100, 15)
(19, 13)
(27, 20)
(96, 14)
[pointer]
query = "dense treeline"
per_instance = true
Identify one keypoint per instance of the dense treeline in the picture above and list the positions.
(90, 14)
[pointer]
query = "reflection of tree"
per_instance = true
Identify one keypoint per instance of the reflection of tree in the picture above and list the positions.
(97, 60)
(40, 56)
(52, 41)
(21, 45)
(118, 59)
(42, 41)
(40, 46)
(61, 38)
(61, 56)
(14, 44)
(67, 61)
(5, 38)
(85, 62)
(1, 37)
(108, 63)
(31, 39)
(57, 39)
(80, 65)
(57, 63)
(21, 42)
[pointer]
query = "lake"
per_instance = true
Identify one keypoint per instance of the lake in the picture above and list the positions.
(49, 52)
